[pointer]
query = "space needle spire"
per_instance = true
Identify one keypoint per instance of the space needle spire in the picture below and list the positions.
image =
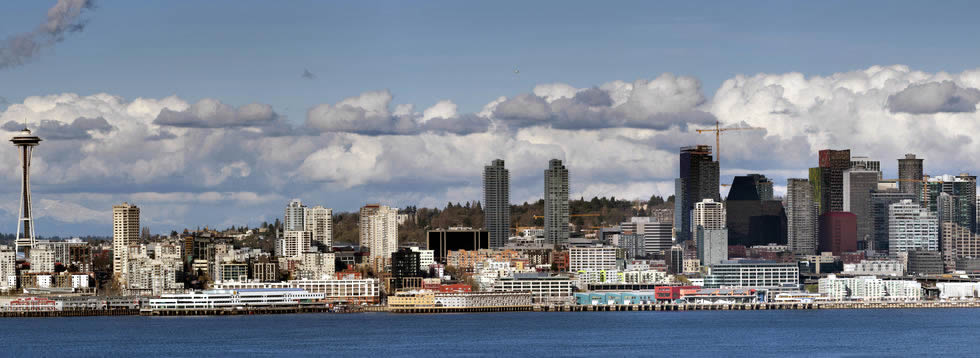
(25, 141)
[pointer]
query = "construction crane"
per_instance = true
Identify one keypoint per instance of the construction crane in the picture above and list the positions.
(718, 130)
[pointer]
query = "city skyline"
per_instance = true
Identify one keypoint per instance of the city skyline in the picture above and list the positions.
(217, 155)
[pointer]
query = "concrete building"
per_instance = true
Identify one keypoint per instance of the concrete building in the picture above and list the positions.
(923, 262)
(698, 180)
(709, 215)
(910, 174)
(838, 232)
(801, 217)
(426, 258)
(556, 203)
(294, 216)
(859, 183)
(712, 245)
(880, 201)
(352, 291)
(869, 288)
(125, 232)
(379, 231)
(543, 289)
(591, 258)
(8, 268)
(319, 222)
(295, 243)
(154, 276)
(42, 259)
(654, 235)
(316, 266)
(911, 227)
(496, 202)
(866, 163)
(875, 268)
(752, 273)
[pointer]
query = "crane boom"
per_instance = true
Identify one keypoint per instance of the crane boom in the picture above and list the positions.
(718, 130)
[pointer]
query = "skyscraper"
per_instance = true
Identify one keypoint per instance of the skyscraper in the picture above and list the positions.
(960, 206)
(880, 202)
(834, 163)
(909, 174)
(838, 232)
(709, 214)
(859, 182)
(698, 180)
(318, 220)
(496, 202)
(708, 219)
(866, 163)
(556, 203)
(911, 227)
(751, 221)
(379, 231)
(125, 232)
(763, 186)
(295, 213)
(801, 217)
(25, 141)
(651, 234)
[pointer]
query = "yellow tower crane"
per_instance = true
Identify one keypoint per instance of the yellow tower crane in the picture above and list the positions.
(718, 130)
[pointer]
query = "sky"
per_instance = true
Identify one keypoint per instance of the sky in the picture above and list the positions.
(217, 113)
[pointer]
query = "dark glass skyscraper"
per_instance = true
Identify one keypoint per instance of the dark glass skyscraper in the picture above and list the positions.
(910, 174)
(834, 163)
(496, 202)
(556, 203)
(698, 180)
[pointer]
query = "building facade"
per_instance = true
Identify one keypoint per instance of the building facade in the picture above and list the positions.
(496, 202)
(379, 231)
(801, 217)
(556, 203)
(125, 232)
(910, 175)
(698, 180)
(911, 227)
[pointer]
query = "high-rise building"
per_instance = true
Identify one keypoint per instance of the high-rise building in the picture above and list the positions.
(838, 232)
(834, 163)
(751, 221)
(910, 174)
(880, 201)
(25, 141)
(709, 214)
(556, 203)
(8, 268)
(911, 227)
(295, 242)
(958, 243)
(801, 217)
(859, 182)
(318, 221)
(653, 236)
(496, 202)
(712, 245)
(817, 180)
(960, 205)
(379, 231)
(125, 232)
(698, 180)
(295, 213)
(763, 186)
(867, 164)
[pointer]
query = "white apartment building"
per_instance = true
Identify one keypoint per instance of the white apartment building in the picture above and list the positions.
(295, 243)
(125, 232)
(319, 222)
(379, 231)
(875, 268)
(153, 276)
(752, 273)
(708, 214)
(591, 258)
(910, 227)
(292, 220)
(316, 266)
(869, 288)
(42, 258)
(8, 268)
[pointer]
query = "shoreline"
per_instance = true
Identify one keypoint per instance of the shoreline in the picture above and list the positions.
(666, 307)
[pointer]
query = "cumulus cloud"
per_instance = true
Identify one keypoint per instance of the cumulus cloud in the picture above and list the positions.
(369, 114)
(934, 97)
(64, 17)
(211, 113)
(80, 128)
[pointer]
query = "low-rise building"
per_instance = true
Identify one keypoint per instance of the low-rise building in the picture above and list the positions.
(874, 268)
(239, 298)
(543, 289)
(592, 258)
(869, 288)
(355, 291)
(752, 273)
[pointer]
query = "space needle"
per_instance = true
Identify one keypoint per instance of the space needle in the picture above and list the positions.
(26, 142)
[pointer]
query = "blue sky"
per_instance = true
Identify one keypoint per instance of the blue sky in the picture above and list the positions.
(241, 52)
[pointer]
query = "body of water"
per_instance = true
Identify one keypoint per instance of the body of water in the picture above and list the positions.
(921, 332)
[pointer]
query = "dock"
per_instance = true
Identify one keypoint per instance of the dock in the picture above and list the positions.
(757, 306)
